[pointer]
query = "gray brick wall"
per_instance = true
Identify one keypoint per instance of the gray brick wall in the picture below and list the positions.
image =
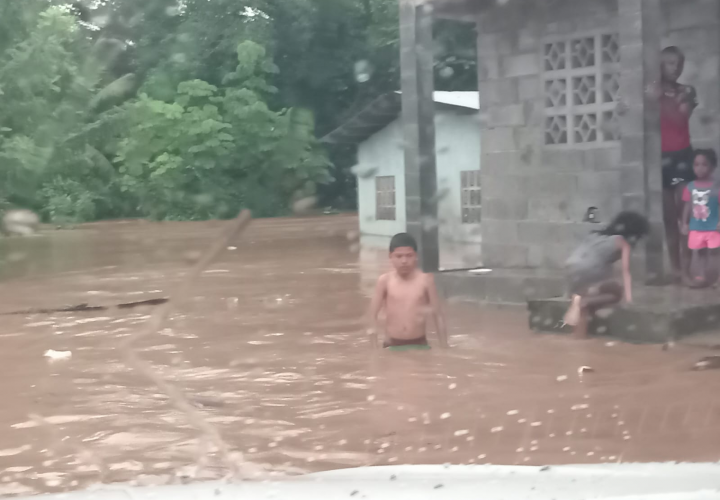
(534, 198)
(545, 192)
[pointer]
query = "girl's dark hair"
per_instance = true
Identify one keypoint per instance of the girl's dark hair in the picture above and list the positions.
(709, 155)
(630, 225)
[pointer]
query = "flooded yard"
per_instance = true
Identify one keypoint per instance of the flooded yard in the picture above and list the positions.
(271, 349)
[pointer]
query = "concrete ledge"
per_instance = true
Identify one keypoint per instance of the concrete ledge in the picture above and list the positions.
(659, 315)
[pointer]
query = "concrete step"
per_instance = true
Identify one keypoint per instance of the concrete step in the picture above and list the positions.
(658, 315)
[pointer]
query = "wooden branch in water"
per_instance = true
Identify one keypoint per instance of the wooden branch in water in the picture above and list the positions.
(154, 324)
(85, 307)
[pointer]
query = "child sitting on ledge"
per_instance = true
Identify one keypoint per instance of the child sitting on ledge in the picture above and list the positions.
(590, 269)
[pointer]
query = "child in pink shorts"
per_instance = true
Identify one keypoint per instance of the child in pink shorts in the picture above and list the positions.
(701, 221)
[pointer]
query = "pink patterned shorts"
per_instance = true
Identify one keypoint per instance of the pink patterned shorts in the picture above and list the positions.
(697, 240)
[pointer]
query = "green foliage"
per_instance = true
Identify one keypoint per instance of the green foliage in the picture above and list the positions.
(76, 144)
(205, 153)
(42, 99)
(192, 109)
(67, 200)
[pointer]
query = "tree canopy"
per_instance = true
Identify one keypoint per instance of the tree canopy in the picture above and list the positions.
(192, 109)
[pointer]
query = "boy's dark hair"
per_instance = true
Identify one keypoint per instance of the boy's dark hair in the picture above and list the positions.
(402, 240)
(630, 225)
(709, 155)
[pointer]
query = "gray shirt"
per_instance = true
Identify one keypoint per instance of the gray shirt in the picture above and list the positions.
(592, 261)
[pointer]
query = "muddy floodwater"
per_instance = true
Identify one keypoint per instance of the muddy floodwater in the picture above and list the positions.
(270, 349)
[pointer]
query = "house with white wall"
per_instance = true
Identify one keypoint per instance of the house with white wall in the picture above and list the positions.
(377, 131)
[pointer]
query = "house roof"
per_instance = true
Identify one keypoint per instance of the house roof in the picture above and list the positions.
(459, 8)
(467, 10)
(386, 108)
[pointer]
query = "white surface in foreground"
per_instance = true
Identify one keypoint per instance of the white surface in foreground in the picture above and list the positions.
(417, 482)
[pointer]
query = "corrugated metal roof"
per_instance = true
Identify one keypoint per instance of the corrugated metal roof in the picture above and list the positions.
(386, 108)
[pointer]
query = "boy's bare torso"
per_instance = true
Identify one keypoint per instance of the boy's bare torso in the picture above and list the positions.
(406, 306)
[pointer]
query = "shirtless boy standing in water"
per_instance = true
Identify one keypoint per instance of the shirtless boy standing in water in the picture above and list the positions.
(408, 296)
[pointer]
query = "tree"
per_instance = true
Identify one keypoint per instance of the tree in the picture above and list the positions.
(170, 108)
(39, 96)
(215, 149)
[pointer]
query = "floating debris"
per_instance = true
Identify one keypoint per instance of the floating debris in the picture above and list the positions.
(148, 302)
(585, 369)
(19, 223)
(57, 355)
(206, 402)
(707, 363)
(85, 307)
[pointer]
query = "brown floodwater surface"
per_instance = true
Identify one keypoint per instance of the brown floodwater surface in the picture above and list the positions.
(270, 348)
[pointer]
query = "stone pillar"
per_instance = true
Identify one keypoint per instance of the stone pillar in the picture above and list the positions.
(640, 25)
(418, 115)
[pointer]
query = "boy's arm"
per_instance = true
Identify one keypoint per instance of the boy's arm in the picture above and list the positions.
(437, 311)
(375, 306)
(627, 278)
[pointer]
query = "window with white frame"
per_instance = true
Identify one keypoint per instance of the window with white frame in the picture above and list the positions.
(470, 196)
(385, 197)
(581, 81)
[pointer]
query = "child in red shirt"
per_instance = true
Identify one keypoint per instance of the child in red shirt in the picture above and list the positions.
(677, 103)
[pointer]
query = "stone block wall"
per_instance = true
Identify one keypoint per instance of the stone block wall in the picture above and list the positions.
(536, 195)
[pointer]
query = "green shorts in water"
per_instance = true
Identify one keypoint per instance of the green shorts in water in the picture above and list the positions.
(410, 347)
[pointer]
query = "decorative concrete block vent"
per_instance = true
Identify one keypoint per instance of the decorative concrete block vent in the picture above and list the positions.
(582, 84)
(657, 315)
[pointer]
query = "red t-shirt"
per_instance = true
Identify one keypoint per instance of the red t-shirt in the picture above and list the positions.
(675, 122)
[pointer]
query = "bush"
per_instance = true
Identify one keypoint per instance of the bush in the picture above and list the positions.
(67, 201)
